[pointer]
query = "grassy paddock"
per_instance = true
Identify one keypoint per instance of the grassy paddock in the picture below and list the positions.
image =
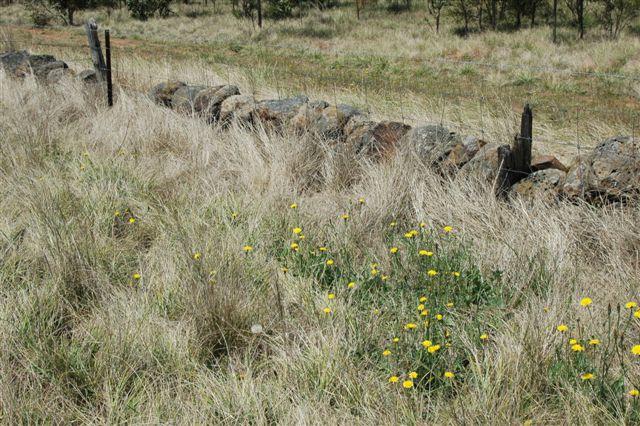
(140, 248)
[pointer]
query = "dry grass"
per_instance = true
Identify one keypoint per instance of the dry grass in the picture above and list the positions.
(81, 340)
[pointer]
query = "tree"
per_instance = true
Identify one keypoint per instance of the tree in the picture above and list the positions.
(435, 9)
(616, 15)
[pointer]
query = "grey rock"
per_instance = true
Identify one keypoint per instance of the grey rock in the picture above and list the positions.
(162, 93)
(432, 143)
(208, 101)
(184, 98)
(238, 107)
(279, 111)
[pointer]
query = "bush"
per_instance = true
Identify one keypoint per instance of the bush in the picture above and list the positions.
(279, 9)
(144, 9)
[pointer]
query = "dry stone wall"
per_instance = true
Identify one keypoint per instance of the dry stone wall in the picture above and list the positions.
(609, 173)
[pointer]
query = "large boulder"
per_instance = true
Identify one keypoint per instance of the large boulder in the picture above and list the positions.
(207, 102)
(161, 94)
(279, 111)
(90, 76)
(240, 108)
(57, 74)
(544, 162)
(432, 143)
(21, 63)
(611, 172)
(374, 139)
(544, 184)
(184, 99)
(324, 120)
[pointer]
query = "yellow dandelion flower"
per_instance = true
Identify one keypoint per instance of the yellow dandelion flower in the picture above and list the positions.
(297, 230)
(635, 350)
(587, 376)
(197, 256)
(329, 262)
(386, 352)
(410, 326)
(423, 225)
(424, 313)
(562, 328)
(630, 305)
(393, 224)
(351, 284)
(247, 249)
(234, 215)
(345, 216)
(361, 200)
(376, 311)
(432, 272)
(293, 206)
(393, 250)
(449, 305)
(327, 310)
(384, 277)
(634, 392)
(136, 276)
(439, 317)
(637, 313)
(408, 235)
(422, 299)
(449, 375)
(455, 274)
(394, 379)
(421, 307)
(594, 342)
(413, 375)
(433, 349)
(374, 272)
(395, 340)
(426, 343)
(484, 336)
(294, 246)
(132, 220)
(331, 296)
(585, 301)
(407, 384)
(425, 253)
(322, 248)
(447, 229)
(116, 213)
(577, 347)
(573, 341)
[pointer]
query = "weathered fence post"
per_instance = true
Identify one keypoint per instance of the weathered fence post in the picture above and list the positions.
(107, 49)
(515, 160)
(96, 52)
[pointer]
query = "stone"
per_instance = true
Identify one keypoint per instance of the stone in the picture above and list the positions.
(544, 162)
(184, 99)
(43, 70)
(611, 172)
(88, 76)
(462, 153)
(333, 119)
(55, 75)
(374, 140)
(207, 102)
(15, 64)
(160, 94)
(279, 111)
(492, 164)
(308, 114)
(544, 184)
(432, 143)
(238, 107)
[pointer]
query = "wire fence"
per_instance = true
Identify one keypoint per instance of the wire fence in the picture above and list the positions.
(382, 95)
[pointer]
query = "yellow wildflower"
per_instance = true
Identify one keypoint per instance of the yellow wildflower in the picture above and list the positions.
(395, 340)
(351, 284)
(637, 313)
(432, 272)
(455, 274)
(410, 326)
(322, 248)
(634, 392)
(433, 349)
(426, 343)
(587, 376)
(562, 328)
(331, 296)
(449, 375)
(384, 277)
(573, 341)
(197, 256)
(394, 379)
(247, 249)
(116, 213)
(449, 305)
(293, 206)
(393, 250)
(635, 350)
(586, 301)
(407, 384)
(392, 224)
(424, 313)
(413, 375)
(329, 262)
(447, 229)
(294, 246)
(423, 225)
(327, 310)
(386, 352)
(136, 276)
(132, 220)
(439, 317)
(297, 230)
(345, 216)
(425, 253)
(630, 305)
(577, 347)
(421, 307)
(422, 299)
(361, 200)
(594, 342)
(484, 336)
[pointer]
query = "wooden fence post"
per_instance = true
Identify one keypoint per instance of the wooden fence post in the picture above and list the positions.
(96, 52)
(107, 50)
(522, 145)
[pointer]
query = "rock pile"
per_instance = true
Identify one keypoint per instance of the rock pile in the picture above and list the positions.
(609, 173)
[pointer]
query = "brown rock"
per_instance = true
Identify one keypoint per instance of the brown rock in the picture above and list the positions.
(184, 99)
(432, 143)
(207, 102)
(238, 107)
(544, 162)
(161, 94)
(375, 140)
(462, 153)
(279, 111)
(543, 184)
(307, 115)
